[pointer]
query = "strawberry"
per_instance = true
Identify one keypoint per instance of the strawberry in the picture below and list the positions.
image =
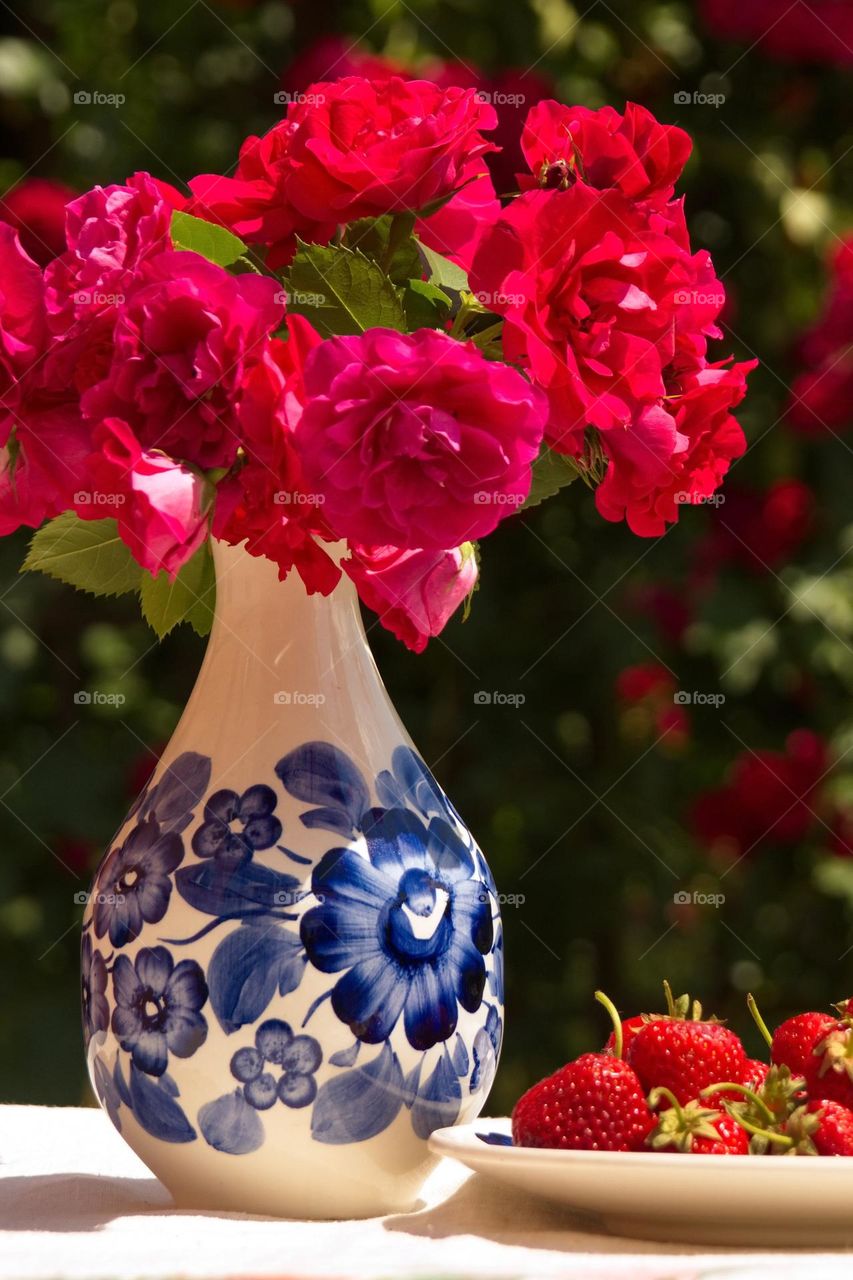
(822, 1128)
(694, 1129)
(829, 1068)
(630, 1027)
(794, 1040)
(595, 1103)
(755, 1074)
(762, 1109)
(686, 1056)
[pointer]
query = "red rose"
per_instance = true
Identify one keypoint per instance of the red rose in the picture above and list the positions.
(822, 394)
(762, 531)
(349, 149)
(594, 302)
(633, 152)
(36, 209)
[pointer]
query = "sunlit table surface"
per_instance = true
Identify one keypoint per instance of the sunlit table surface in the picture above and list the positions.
(76, 1202)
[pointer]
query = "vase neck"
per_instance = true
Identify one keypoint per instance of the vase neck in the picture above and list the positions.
(272, 638)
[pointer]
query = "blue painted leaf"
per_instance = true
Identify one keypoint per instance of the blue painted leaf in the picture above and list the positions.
(438, 1101)
(389, 792)
(121, 1083)
(496, 1139)
(248, 967)
(418, 785)
(226, 891)
(179, 792)
(413, 1082)
(231, 1125)
(360, 1103)
(346, 1057)
(294, 857)
(337, 820)
(157, 1112)
(167, 1083)
(460, 1057)
(323, 775)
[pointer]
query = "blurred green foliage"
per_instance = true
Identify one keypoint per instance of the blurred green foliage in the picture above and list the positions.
(575, 805)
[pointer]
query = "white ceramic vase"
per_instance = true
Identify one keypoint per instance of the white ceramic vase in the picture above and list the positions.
(292, 955)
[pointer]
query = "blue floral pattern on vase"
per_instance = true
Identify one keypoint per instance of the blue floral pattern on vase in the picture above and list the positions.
(253, 812)
(400, 912)
(157, 1008)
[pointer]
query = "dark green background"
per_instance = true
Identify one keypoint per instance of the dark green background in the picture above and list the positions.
(556, 617)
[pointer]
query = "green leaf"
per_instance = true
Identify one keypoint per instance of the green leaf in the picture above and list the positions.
(551, 473)
(190, 598)
(443, 272)
(214, 243)
(342, 292)
(387, 241)
(426, 306)
(87, 554)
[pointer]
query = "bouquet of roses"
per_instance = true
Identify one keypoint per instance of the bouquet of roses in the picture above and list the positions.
(353, 356)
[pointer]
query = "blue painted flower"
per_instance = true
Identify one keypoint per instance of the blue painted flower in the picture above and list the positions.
(157, 1008)
(135, 882)
(96, 1011)
(485, 1050)
(297, 1058)
(251, 813)
(107, 1091)
(408, 926)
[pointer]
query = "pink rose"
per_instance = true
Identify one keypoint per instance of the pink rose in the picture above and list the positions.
(633, 152)
(413, 592)
(416, 441)
(458, 227)
(110, 232)
(36, 209)
(159, 504)
(265, 504)
(185, 339)
(23, 329)
(348, 149)
(594, 301)
(649, 488)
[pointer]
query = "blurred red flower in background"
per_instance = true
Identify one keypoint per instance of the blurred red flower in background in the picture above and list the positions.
(760, 531)
(647, 693)
(801, 30)
(822, 395)
(36, 209)
(769, 797)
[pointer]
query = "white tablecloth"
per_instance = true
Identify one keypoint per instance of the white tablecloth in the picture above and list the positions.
(75, 1202)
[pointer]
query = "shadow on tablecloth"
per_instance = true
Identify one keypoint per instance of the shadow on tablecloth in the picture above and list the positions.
(76, 1201)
